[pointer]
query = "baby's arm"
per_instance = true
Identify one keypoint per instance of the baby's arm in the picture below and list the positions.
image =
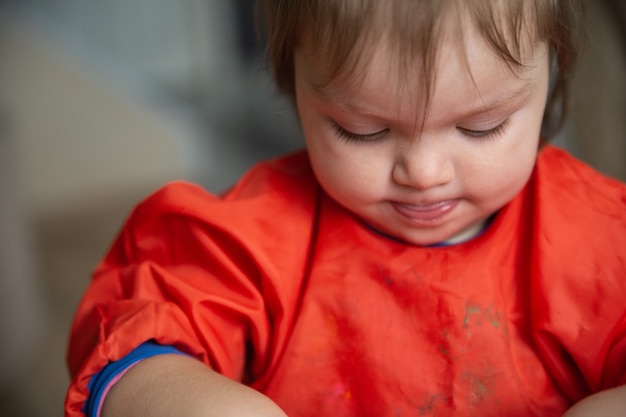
(177, 385)
(609, 403)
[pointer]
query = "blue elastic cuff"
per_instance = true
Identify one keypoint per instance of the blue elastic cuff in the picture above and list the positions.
(101, 380)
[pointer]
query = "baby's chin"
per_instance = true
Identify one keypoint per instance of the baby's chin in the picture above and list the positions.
(434, 236)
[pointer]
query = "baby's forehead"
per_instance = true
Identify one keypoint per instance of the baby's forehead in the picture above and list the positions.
(463, 54)
(339, 54)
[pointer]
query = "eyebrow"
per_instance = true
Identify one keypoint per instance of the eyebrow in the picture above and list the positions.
(503, 100)
(325, 92)
(335, 96)
(329, 93)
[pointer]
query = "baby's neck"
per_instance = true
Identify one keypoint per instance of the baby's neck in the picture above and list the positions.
(466, 234)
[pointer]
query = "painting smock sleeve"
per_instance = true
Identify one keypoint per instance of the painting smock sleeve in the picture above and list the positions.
(191, 270)
(578, 289)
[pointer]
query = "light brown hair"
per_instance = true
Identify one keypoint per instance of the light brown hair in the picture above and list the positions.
(336, 31)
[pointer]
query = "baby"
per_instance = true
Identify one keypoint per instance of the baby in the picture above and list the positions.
(429, 253)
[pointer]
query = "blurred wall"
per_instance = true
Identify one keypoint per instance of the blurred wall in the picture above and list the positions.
(101, 103)
(596, 131)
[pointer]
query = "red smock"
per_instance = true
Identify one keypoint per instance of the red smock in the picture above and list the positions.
(277, 286)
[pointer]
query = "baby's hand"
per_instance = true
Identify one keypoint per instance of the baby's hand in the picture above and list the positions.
(176, 385)
(609, 403)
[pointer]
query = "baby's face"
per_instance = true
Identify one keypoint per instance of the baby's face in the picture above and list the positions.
(475, 152)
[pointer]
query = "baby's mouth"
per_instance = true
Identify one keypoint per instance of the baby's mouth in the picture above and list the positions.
(430, 213)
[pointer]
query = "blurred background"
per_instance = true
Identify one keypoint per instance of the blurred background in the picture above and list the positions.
(101, 102)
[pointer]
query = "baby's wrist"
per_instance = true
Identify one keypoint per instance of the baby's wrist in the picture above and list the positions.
(609, 403)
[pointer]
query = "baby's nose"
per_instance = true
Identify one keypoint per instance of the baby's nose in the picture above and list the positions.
(423, 165)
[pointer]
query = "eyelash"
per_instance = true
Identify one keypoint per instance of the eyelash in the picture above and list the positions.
(486, 134)
(348, 136)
